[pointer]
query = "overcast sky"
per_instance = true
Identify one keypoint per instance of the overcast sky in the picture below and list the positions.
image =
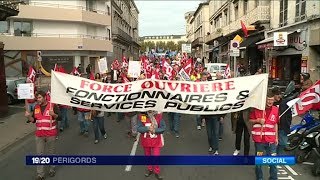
(163, 17)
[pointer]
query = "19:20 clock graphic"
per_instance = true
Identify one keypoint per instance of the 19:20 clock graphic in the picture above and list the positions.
(41, 160)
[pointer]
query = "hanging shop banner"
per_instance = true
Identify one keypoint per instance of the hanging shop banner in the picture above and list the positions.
(211, 97)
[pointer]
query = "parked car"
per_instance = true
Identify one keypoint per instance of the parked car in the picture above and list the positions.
(12, 83)
(213, 68)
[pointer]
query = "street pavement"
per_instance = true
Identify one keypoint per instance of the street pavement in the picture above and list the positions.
(191, 142)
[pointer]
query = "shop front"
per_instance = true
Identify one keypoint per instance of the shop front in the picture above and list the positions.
(286, 63)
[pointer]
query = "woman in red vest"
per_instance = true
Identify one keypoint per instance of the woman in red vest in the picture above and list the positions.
(265, 134)
(44, 115)
(151, 126)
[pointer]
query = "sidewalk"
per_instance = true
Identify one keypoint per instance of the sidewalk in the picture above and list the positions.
(14, 129)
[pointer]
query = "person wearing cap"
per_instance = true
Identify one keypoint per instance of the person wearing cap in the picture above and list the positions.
(305, 81)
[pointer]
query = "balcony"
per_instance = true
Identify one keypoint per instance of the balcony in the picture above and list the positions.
(120, 35)
(260, 14)
(67, 42)
(58, 12)
(197, 42)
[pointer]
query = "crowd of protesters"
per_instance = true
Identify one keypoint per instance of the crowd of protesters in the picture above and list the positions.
(266, 128)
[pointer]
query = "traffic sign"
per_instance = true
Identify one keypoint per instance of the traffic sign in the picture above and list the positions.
(235, 52)
(234, 44)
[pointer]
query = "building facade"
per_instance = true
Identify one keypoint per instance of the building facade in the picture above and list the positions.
(164, 38)
(125, 32)
(68, 33)
(200, 23)
(225, 24)
(301, 21)
(189, 26)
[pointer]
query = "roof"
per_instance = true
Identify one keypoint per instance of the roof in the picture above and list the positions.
(200, 6)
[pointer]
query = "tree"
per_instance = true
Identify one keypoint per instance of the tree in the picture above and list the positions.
(171, 46)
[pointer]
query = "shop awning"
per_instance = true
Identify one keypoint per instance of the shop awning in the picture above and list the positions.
(250, 41)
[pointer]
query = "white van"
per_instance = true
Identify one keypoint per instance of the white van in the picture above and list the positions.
(213, 68)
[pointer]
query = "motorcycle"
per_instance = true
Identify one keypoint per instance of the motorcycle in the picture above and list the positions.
(309, 144)
(299, 131)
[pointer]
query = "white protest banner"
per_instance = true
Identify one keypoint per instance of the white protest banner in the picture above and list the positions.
(25, 91)
(134, 69)
(184, 75)
(207, 97)
(103, 65)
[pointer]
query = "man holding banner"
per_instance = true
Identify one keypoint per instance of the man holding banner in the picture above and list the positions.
(265, 134)
(45, 116)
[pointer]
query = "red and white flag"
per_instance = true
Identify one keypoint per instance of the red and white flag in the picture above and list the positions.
(227, 73)
(308, 100)
(115, 65)
(155, 73)
(75, 72)
(188, 66)
(56, 68)
(125, 62)
(167, 69)
(31, 74)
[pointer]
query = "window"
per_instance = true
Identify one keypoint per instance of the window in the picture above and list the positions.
(22, 28)
(245, 6)
(109, 34)
(226, 17)
(300, 10)
(108, 9)
(236, 10)
(4, 26)
(283, 13)
(256, 3)
(90, 4)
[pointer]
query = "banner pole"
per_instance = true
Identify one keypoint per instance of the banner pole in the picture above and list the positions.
(235, 66)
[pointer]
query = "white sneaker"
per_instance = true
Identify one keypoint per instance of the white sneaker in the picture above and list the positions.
(216, 153)
(236, 152)
(105, 136)
(199, 127)
(210, 149)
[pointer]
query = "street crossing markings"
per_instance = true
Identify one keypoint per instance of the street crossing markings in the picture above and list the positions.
(308, 163)
(291, 170)
(287, 178)
(13, 106)
(133, 152)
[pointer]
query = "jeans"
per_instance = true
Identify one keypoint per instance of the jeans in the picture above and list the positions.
(120, 116)
(134, 124)
(41, 144)
(155, 151)
(198, 120)
(212, 125)
(98, 124)
(84, 124)
(220, 129)
(64, 118)
(174, 122)
(266, 149)
(283, 140)
(241, 127)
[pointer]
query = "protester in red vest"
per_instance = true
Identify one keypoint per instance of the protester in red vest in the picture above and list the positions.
(45, 115)
(265, 134)
(151, 126)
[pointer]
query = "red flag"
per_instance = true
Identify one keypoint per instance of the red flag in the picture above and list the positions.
(61, 69)
(92, 76)
(227, 73)
(244, 29)
(309, 99)
(155, 73)
(31, 74)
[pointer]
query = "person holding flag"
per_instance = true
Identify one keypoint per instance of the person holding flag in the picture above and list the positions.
(45, 116)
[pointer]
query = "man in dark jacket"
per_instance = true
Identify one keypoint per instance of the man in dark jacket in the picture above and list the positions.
(285, 119)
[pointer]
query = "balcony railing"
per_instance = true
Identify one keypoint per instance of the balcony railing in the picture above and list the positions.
(11, 4)
(119, 33)
(82, 36)
(65, 6)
